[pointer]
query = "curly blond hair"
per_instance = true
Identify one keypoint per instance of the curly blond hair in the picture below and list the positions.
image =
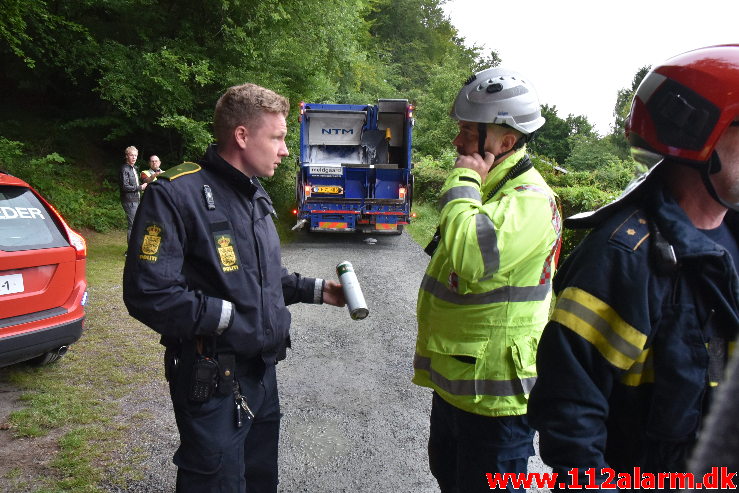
(245, 105)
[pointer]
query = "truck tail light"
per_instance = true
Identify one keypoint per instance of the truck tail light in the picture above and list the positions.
(401, 192)
(307, 191)
(410, 111)
(302, 111)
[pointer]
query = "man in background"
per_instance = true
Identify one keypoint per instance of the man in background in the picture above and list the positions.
(130, 187)
(155, 169)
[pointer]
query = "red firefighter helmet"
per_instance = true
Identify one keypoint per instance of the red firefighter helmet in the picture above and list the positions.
(682, 106)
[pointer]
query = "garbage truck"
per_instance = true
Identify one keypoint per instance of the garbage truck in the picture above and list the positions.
(354, 168)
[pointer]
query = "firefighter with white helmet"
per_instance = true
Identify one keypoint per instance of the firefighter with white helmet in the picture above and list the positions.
(647, 305)
(485, 297)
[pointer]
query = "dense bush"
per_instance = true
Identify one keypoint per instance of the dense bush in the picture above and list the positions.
(70, 189)
(429, 175)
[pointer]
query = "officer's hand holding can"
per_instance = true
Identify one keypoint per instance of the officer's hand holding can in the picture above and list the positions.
(352, 292)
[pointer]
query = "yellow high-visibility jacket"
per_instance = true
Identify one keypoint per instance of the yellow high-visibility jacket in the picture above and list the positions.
(485, 297)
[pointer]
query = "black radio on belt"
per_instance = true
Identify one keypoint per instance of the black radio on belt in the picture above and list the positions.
(204, 379)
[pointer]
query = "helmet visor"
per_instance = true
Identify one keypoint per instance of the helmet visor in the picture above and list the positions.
(645, 157)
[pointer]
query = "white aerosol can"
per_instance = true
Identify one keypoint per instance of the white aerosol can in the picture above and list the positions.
(352, 292)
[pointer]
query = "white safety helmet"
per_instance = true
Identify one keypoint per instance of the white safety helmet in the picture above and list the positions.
(502, 97)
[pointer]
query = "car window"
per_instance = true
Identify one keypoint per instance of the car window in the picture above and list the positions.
(25, 223)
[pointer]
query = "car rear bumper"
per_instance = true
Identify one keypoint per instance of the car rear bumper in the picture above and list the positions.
(27, 345)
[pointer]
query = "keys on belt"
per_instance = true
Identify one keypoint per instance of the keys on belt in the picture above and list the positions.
(241, 405)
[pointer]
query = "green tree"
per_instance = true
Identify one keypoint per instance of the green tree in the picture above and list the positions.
(82, 80)
(579, 125)
(621, 110)
(555, 139)
(551, 140)
(590, 153)
(435, 129)
(413, 37)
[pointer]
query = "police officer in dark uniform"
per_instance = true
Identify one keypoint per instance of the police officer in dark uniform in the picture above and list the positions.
(204, 270)
(648, 304)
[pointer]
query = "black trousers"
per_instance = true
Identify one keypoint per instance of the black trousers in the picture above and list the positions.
(130, 209)
(464, 447)
(214, 454)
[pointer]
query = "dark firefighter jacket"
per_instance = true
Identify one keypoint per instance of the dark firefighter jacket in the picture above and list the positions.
(635, 342)
(204, 259)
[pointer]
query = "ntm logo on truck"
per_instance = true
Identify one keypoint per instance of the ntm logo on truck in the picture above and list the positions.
(337, 131)
(355, 167)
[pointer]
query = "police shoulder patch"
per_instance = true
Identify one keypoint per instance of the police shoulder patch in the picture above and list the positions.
(632, 232)
(183, 169)
(151, 242)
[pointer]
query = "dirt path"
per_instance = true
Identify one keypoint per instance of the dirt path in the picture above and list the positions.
(352, 419)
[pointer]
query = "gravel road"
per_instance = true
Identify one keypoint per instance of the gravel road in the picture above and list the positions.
(352, 421)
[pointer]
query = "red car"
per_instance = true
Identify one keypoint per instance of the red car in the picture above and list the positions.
(43, 287)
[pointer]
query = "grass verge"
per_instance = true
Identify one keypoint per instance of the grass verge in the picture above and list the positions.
(422, 228)
(77, 398)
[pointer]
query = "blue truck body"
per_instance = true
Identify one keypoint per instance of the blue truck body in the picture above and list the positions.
(355, 169)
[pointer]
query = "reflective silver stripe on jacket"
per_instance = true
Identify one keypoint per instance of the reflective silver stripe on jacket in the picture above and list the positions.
(318, 291)
(498, 388)
(463, 192)
(225, 318)
(487, 240)
(497, 295)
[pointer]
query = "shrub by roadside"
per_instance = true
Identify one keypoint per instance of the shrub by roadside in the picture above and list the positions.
(85, 201)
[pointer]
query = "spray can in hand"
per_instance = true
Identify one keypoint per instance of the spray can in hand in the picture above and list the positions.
(352, 292)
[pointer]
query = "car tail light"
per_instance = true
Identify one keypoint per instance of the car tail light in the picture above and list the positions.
(401, 192)
(78, 242)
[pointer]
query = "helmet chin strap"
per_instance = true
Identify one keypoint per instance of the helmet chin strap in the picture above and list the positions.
(712, 167)
(482, 136)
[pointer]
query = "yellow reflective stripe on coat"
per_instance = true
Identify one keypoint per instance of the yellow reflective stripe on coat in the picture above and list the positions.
(598, 323)
(641, 372)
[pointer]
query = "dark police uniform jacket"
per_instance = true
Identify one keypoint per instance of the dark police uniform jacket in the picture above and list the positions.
(204, 260)
(635, 343)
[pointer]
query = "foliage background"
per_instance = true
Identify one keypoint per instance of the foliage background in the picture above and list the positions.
(84, 79)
